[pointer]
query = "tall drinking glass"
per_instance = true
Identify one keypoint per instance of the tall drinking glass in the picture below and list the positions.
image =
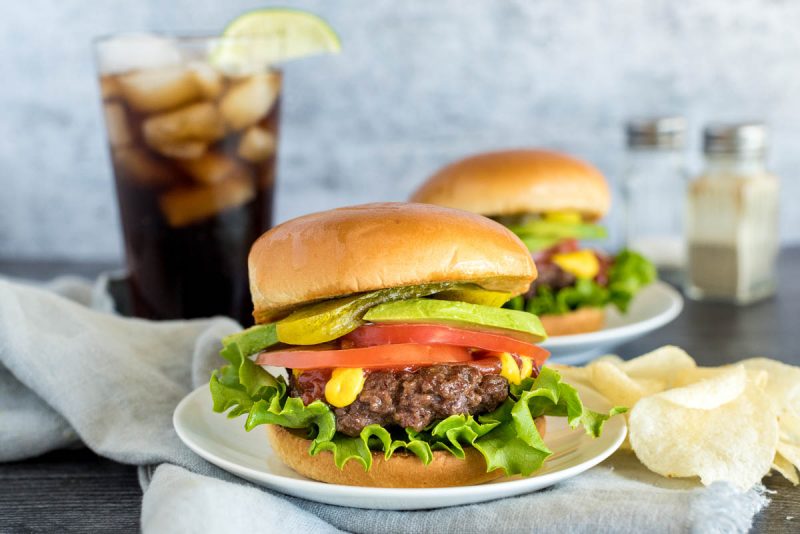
(193, 137)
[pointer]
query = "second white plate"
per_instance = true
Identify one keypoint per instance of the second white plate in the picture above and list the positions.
(653, 307)
(225, 443)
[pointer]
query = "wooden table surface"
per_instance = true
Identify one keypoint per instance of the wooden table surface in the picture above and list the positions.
(77, 491)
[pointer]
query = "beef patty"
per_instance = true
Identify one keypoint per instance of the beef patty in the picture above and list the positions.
(412, 399)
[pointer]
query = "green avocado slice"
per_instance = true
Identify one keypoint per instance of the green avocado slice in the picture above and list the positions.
(456, 313)
(542, 229)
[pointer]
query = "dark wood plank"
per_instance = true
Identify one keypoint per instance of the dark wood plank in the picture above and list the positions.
(69, 491)
(783, 513)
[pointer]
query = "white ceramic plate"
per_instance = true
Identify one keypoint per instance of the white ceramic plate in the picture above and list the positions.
(224, 442)
(653, 307)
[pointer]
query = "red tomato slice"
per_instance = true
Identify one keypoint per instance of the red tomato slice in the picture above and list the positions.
(428, 334)
(377, 357)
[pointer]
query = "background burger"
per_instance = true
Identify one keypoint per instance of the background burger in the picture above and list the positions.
(403, 370)
(551, 201)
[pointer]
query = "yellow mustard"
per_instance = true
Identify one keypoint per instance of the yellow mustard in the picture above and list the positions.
(509, 368)
(344, 386)
(583, 263)
(566, 217)
(527, 367)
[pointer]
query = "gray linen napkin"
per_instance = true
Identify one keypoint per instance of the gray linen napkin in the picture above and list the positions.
(72, 374)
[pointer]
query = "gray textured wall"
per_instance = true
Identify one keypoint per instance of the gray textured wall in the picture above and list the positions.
(419, 83)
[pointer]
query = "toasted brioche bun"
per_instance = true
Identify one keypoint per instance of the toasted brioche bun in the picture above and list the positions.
(375, 246)
(579, 321)
(516, 182)
(402, 470)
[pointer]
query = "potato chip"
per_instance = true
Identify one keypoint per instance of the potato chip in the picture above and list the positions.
(783, 385)
(734, 441)
(785, 468)
(612, 382)
(790, 427)
(690, 376)
(661, 364)
(572, 374)
(610, 358)
(650, 386)
(710, 393)
(789, 451)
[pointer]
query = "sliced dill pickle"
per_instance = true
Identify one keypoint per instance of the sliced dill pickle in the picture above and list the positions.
(475, 295)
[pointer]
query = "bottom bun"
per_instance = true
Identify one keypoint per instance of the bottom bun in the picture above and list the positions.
(402, 470)
(579, 321)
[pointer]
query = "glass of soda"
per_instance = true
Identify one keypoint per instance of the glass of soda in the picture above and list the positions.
(193, 138)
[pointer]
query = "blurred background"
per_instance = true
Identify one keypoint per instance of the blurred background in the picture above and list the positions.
(417, 85)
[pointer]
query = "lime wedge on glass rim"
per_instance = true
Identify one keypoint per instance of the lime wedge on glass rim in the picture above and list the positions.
(268, 36)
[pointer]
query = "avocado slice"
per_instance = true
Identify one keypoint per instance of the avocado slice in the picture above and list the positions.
(543, 229)
(458, 314)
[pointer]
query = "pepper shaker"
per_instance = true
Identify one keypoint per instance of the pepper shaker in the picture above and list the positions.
(733, 217)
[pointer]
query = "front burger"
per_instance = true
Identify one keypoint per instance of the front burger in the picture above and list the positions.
(552, 201)
(382, 356)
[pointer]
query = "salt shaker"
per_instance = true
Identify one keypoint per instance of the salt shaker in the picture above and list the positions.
(733, 217)
(655, 191)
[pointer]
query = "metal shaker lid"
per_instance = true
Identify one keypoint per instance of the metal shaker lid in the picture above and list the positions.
(735, 138)
(656, 132)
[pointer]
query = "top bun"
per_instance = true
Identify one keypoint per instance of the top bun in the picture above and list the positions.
(375, 246)
(516, 182)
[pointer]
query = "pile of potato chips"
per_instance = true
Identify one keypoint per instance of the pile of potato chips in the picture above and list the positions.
(731, 423)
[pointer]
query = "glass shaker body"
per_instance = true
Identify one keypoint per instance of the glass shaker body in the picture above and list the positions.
(732, 228)
(654, 191)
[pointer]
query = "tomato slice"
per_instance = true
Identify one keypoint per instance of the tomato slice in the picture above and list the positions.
(376, 357)
(429, 334)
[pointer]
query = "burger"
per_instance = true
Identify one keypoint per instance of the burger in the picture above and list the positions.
(382, 356)
(552, 202)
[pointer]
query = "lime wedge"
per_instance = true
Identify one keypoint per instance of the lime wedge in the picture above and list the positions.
(272, 35)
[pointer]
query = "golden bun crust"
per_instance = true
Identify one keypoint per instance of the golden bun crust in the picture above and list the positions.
(402, 470)
(375, 246)
(513, 182)
(579, 321)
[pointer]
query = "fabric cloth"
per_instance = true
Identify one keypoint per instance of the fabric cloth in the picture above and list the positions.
(71, 374)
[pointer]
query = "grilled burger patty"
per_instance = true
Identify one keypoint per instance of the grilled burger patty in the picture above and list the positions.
(407, 398)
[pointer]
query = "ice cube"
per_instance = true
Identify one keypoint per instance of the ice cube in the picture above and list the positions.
(256, 144)
(132, 51)
(184, 132)
(138, 166)
(207, 78)
(249, 100)
(109, 87)
(183, 206)
(183, 150)
(119, 132)
(213, 167)
(160, 89)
